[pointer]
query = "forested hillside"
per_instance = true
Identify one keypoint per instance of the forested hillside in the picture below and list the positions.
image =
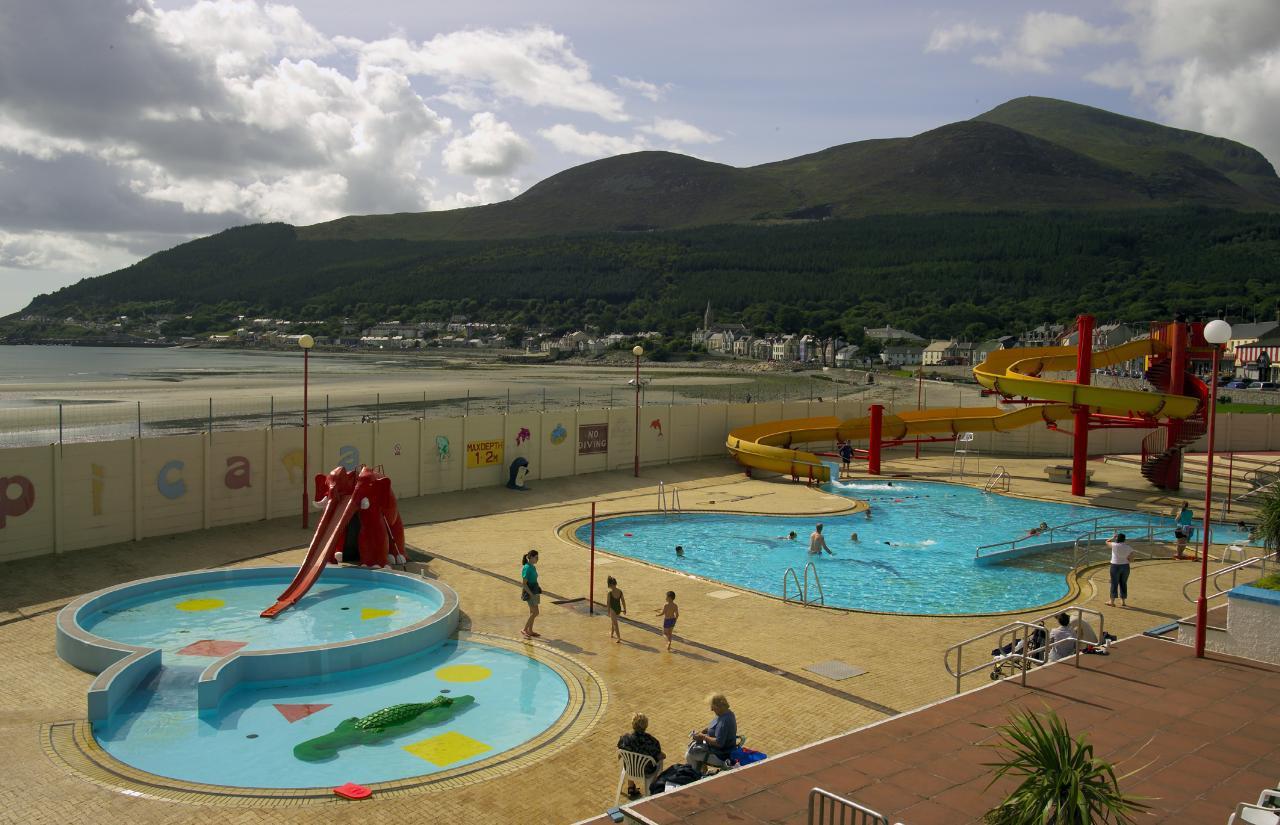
(961, 274)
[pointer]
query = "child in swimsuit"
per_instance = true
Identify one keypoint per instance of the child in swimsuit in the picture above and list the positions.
(617, 606)
(669, 613)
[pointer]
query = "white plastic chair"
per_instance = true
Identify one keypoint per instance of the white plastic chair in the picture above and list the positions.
(1247, 814)
(639, 768)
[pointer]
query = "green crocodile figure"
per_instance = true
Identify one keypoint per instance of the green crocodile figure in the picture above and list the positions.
(382, 724)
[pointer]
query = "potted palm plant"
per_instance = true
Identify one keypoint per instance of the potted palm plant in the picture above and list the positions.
(1063, 783)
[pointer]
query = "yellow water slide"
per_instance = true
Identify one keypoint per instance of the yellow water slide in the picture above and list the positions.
(1009, 372)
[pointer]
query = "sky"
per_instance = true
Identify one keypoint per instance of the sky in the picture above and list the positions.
(131, 126)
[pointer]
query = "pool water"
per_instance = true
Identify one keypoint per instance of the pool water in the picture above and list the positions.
(201, 622)
(249, 740)
(915, 554)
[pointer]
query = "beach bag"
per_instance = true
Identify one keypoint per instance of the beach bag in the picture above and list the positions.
(746, 756)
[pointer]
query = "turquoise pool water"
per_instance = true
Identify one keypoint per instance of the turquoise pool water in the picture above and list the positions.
(200, 622)
(249, 740)
(915, 554)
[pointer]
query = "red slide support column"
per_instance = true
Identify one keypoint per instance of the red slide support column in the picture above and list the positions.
(874, 439)
(1080, 436)
(1178, 362)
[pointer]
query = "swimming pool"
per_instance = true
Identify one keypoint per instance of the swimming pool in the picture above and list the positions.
(249, 740)
(915, 554)
(200, 619)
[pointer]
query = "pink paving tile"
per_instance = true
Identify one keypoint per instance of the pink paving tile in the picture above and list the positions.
(766, 805)
(216, 648)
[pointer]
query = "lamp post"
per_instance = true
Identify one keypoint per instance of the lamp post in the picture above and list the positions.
(637, 351)
(306, 342)
(1217, 333)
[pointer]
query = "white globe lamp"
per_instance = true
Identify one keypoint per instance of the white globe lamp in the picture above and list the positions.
(1217, 331)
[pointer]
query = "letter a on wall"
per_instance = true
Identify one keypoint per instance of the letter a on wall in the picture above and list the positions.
(17, 496)
(169, 480)
(238, 476)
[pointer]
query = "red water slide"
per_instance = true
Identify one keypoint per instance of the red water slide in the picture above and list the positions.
(331, 532)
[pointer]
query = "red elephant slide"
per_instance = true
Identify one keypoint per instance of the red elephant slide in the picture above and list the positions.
(362, 500)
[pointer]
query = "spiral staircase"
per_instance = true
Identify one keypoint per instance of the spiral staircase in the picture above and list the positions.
(1161, 452)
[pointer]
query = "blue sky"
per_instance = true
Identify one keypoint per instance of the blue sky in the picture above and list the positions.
(129, 126)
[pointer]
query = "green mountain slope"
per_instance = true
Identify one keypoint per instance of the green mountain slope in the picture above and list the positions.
(1168, 157)
(1028, 154)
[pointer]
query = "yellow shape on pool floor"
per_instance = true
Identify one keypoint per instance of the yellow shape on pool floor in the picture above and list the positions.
(463, 673)
(374, 613)
(193, 605)
(447, 748)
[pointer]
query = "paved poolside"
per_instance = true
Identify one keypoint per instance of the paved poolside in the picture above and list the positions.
(750, 646)
(1200, 736)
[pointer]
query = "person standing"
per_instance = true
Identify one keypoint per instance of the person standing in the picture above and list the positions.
(617, 607)
(1183, 529)
(530, 590)
(817, 543)
(1121, 554)
(846, 455)
(669, 612)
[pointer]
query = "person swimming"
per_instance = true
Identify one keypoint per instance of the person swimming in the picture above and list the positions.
(679, 551)
(853, 537)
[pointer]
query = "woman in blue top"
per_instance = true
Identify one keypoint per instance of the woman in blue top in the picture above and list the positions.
(529, 590)
(1183, 529)
(713, 744)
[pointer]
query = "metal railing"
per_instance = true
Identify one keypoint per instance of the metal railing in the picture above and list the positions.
(1215, 589)
(802, 590)
(665, 506)
(1019, 637)
(999, 479)
(825, 808)
(1059, 532)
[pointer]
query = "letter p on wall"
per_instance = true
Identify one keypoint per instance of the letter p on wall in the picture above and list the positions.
(17, 496)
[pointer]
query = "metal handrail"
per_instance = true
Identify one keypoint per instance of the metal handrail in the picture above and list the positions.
(822, 597)
(662, 499)
(825, 808)
(791, 571)
(999, 478)
(1015, 632)
(1218, 591)
(1049, 535)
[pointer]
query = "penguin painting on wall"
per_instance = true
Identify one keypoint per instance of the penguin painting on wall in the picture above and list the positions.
(518, 470)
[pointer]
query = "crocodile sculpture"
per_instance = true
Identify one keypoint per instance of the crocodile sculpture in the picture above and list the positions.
(382, 724)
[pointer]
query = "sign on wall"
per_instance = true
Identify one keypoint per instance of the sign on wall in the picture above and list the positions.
(593, 438)
(484, 453)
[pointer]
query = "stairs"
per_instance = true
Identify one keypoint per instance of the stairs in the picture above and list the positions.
(1161, 453)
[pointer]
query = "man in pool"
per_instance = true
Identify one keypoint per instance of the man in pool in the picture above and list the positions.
(817, 543)
(679, 552)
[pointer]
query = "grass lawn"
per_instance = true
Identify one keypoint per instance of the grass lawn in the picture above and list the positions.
(1249, 408)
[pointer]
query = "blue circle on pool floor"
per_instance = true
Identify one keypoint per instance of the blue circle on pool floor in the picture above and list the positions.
(914, 555)
(159, 730)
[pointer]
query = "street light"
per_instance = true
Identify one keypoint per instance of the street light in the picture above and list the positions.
(306, 342)
(637, 351)
(1217, 332)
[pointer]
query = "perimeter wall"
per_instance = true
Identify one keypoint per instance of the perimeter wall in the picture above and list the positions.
(55, 499)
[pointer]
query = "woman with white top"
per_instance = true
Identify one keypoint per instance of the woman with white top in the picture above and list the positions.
(1121, 553)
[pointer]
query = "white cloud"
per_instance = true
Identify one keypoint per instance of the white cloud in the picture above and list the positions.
(484, 190)
(55, 250)
(492, 149)
(644, 88)
(679, 131)
(958, 35)
(1045, 36)
(1208, 65)
(535, 66)
(571, 140)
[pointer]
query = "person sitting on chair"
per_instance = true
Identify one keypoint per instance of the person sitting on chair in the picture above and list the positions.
(640, 741)
(713, 744)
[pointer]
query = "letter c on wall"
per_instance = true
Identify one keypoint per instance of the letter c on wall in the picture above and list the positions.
(16, 505)
(169, 480)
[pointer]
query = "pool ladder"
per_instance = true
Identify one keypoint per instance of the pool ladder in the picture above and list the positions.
(802, 591)
(665, 506)
(998, 480)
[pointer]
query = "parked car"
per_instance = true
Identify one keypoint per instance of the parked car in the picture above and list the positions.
(1264, 385)
(1237, 384)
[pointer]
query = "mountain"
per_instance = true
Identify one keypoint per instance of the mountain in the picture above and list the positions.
(1028, 212)
(1028, 154)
